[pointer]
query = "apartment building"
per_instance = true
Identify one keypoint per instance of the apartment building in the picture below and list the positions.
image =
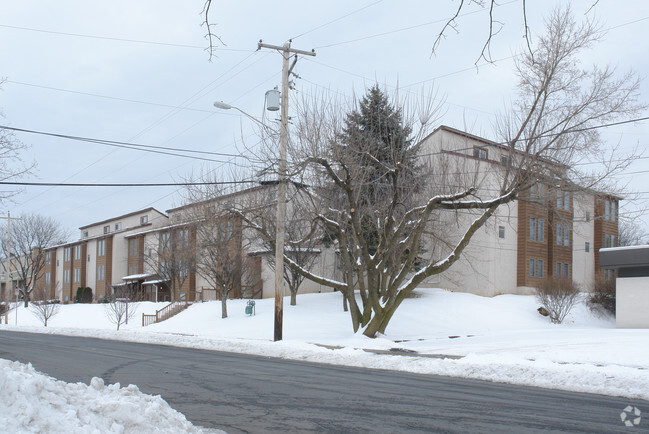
(98, 259)
(549, 231)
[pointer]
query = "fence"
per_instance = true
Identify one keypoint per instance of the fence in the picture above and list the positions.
(166, 312)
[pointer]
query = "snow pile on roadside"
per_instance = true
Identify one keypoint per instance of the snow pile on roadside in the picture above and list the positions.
(33, 402)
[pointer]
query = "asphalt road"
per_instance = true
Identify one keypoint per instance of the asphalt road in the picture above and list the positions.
(241, 393)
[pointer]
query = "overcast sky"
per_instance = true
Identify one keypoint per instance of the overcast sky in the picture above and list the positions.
(137, 72)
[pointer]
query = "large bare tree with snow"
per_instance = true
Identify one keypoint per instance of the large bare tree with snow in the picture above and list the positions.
(388, 209)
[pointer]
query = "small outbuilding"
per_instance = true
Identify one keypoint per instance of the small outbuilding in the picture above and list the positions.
(632, 284)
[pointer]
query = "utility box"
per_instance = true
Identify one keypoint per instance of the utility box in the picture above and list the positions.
(272, 100)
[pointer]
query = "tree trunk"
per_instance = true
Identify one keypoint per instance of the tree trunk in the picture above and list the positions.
(26, 297)
(345, 307)
(293, 298)
(224, 306)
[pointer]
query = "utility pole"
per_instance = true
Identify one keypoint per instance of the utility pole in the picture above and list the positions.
(285, 51)
(8, 267)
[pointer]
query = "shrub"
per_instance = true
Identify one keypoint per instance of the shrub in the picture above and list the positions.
(84, 295)
(558, 296)
(602, 298)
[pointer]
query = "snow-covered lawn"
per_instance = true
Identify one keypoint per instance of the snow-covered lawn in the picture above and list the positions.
(500, 339)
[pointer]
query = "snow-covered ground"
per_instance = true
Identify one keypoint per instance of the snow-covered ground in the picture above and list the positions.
(35, 403)
(499, 339)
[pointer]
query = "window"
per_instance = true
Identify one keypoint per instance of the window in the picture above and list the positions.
(587, 216)
(101, 247)
(84, 234)
(77, 275)
(118, 226)
(144, 219)
(587, 247)
(541, 233)
(77, 252)
(610, 213)
(132, 247)
(66, 254)
(48, 278)
(566, 270)
(537, 193)
(107, 229)
(566, 200)
(566, 235)
(48, 257)
(504, 159)
(480, 153)
(609, 240)
(558, 269)
(563, 234)
(609, 274)
(132, 269)
(532, 267)
(66, 276)
(563, 200)
(540, 268)
(532, 228)
(88, 258)
(101, 272)
(501, 231)
(183, 237)
(164, 240)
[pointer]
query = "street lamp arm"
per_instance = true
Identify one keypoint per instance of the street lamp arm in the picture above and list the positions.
(225, 106)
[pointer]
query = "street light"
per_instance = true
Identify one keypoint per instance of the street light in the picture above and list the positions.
(225, 106)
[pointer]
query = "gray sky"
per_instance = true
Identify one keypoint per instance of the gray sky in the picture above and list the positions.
(82, 68)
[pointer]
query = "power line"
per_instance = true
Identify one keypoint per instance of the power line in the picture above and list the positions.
(109, 38)
(91, 184)
(403, 29)
(337, 19)
(128, 145)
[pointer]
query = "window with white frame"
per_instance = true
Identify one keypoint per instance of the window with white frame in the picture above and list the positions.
(66, 254)
(66, 276)
(144, 219)
(501, 231)
(101, 272)
(77, 275)
(77, 252)
(107, 229)
(118, 226)
(101, 247)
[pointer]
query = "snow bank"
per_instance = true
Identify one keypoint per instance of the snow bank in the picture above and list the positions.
(33, 402)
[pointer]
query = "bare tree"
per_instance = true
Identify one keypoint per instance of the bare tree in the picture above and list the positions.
(391, 230)
(631, 233)
(173, 257)
(119, 309)
(30, 236)
(302, 248)
(43, 308)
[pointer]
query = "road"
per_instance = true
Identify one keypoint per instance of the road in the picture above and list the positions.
(242, 393)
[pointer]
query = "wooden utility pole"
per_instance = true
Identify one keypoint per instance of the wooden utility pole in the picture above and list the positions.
(8, 267)
(285, 51)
